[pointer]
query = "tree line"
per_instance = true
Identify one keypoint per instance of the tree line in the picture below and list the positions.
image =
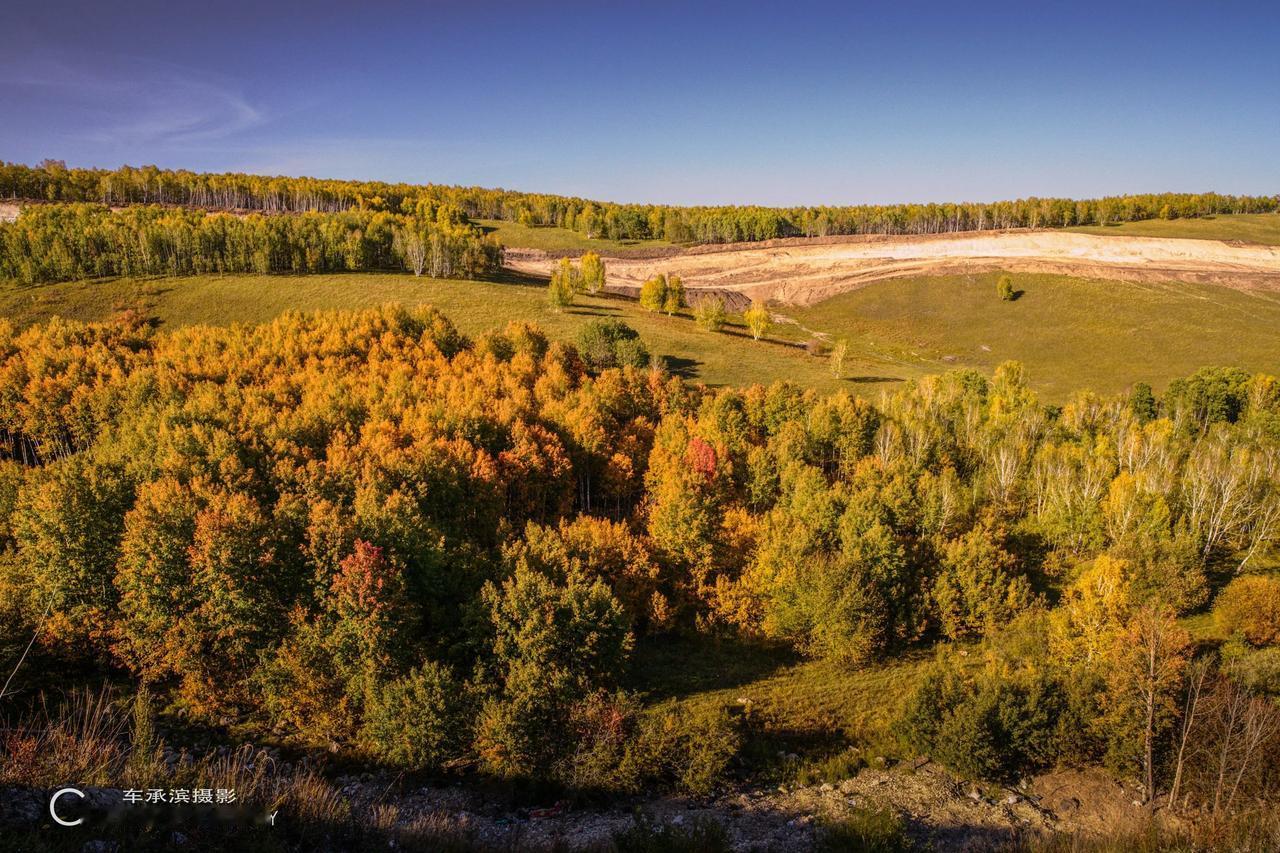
(53, 181)
(63, 242)
(371, 533)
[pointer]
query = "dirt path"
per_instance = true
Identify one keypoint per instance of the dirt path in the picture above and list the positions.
(803, 272)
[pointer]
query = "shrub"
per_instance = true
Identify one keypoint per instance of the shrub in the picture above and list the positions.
(689, 750)
(418, 721)
(1257, 670)
(1004, 288)
(597, 548)
(611, 343)
(994, 728)
(553, 643)
(1250, 607)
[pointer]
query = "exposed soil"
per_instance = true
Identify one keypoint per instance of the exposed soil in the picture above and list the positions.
(806, 271)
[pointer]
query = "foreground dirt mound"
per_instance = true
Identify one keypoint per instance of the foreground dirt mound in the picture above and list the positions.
(803, 272)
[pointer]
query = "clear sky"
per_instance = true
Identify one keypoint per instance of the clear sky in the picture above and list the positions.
(751, 102)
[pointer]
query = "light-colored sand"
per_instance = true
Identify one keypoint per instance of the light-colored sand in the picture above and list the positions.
(8, 212)
(807, 271)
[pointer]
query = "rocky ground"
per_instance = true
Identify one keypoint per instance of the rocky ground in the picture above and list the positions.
(939, 811)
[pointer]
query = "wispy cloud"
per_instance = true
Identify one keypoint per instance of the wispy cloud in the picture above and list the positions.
(127, 102)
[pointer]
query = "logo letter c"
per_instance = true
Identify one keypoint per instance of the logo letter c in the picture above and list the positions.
(54, 813)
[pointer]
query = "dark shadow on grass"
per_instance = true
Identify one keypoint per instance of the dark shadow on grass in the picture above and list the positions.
(594, 311)
(868, 380)
(510, 276)
(670, 667)
(685, 368)
(738, 332)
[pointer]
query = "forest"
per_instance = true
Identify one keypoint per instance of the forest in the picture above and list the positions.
(87, 240)
(362, 532)
(53, 181)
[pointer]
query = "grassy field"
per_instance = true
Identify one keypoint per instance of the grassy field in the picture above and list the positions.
(1248, 227)
(730, 357)
(553, 240)
(1070, 333)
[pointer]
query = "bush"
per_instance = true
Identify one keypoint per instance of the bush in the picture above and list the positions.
(1249, 606)
(995, 728)
(1004, 287)
(417, 722)
(611, 343)
(1257, 670)
(689, 750)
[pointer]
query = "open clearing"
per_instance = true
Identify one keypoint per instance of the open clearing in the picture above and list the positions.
(807, 271)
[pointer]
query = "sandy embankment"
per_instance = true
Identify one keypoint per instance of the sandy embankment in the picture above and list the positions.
(803, 272)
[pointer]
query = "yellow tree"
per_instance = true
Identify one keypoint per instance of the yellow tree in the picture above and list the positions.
(593, 273)
(653, 293)
(674, 299)
(757, 319)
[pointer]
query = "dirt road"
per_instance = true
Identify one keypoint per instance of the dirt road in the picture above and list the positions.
(803, 272)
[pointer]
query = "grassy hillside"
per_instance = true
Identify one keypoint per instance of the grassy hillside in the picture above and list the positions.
(1249, 227)
(476, 307)
(1070, 333)
(517, 236)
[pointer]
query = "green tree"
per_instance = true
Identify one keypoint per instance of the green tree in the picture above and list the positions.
(710, 313)
(564, 285)
(611, 343)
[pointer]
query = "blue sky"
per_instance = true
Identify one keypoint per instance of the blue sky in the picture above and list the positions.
(771, 103)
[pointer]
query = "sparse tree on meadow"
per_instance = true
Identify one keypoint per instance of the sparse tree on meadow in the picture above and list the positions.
(757, 319)
(674, 299)
(563, 285)
(592, 273)
(653, 293)
(839, 352)
(710, 313)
